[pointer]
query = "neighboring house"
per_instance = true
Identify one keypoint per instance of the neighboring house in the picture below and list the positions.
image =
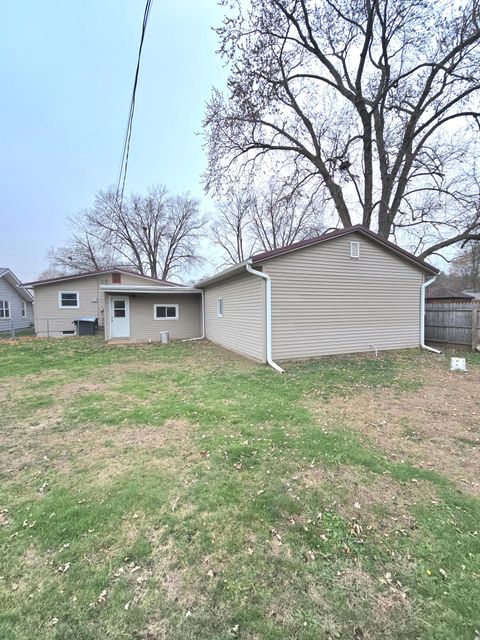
(439, 295)
(60, 301)
(474, 294)
(15, 303)
(344, 292)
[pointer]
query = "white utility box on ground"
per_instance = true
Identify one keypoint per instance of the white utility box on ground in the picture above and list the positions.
(458, 364)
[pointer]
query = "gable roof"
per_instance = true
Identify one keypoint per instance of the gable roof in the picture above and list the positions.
(338, 233)
(15, 283)
(88, 274)
(310, 242)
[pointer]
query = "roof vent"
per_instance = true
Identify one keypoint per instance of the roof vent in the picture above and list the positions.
(354, 250)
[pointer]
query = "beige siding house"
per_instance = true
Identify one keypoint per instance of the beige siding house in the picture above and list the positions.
(234, 315)
(61, 301)
(325, 302)
(345, 292)
(141, 313)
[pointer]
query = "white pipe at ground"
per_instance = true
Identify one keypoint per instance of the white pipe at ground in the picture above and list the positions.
(268, 319)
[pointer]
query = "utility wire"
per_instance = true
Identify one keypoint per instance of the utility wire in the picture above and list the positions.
(122, 175)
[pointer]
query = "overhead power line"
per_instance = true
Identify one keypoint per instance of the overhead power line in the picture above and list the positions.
(122, 175)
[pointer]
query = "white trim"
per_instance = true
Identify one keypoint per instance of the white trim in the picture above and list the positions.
(354, 249)
(68, 306)
(133, 288)
(163, 304)
(14, 282)
(9, 309)
(90, 274)
(220, 307)
(268, 314)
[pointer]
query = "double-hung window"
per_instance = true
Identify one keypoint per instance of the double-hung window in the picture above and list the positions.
(68, 299)
(4, 309)
(165, 311)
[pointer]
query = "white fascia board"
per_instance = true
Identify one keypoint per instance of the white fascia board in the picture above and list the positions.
(108, 288)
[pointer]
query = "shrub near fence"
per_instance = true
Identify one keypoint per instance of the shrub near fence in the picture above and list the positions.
(452, 323)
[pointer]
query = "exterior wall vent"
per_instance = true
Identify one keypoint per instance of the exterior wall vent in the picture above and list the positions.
(355, 250)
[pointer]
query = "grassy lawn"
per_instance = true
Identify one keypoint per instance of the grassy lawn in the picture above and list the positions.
(180, 492)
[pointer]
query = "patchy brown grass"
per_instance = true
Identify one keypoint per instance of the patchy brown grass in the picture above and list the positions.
(91, 448)
(371, 503)
(130, 513)
(434, 428)
(385, 598)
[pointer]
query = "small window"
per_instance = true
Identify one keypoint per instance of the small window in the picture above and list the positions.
(4, 309)
(354, 250)
(119, 309)
(165, 311)
(116, 278)
(68, 299)
(24, 309)
(70, 332)
(220, 307)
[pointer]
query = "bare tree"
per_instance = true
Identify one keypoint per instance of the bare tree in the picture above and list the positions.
(154, 234)
(375, 102)
(232, 227)
(466, 266)
(281, 216)
(263, 218)
(83, 253)
(184, 228)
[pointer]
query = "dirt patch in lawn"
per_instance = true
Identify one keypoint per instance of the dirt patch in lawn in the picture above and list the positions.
(370, 502)
(380, 603)
(436, 428)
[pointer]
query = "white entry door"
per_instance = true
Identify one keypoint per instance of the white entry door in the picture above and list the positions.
(120, 317)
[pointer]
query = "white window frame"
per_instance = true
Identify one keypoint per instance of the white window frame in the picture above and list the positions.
(160, 304)
(68, 306)
(5, 310)
(220, 307)
(354, 250)
(24, 309)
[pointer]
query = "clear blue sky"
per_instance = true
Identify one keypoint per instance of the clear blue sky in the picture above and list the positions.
(66, 72)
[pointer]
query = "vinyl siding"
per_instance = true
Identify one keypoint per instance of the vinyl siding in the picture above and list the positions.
(50, 320)
(242, 327)
(144, 327)
(324, 302)
(7, 292)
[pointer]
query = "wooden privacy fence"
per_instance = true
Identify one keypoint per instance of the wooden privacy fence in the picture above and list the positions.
(453, 323)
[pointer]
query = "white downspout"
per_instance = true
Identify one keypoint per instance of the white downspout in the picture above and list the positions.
(268, 314)
(422, 316)
(203, 322)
